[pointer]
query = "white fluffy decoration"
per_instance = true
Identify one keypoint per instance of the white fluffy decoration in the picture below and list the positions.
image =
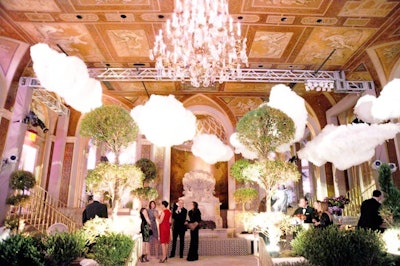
(375, 110)
(67, 76)
(387, 104)
(240, 148)
(211, 149)
(165, 121)
(287, 101)
(347, 145)
(363, 108)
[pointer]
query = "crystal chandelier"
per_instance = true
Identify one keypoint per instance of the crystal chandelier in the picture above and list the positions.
(200, 43)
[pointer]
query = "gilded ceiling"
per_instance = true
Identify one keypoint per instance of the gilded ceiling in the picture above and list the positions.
(362, 37)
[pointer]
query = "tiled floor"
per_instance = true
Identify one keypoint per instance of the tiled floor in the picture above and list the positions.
(248, 260)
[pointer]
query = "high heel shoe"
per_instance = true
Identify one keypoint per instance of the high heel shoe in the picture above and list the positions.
(145, 258)
(164, 260)
(142, 258)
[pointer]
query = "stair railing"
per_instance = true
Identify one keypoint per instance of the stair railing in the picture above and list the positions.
(42, 210)
(356, 197)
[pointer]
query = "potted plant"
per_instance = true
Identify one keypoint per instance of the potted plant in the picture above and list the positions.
(20, 181)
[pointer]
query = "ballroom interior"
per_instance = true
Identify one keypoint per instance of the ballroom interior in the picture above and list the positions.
(353, 44)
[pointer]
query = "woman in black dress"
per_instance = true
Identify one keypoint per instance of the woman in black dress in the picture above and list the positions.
(145, 229)
(193, 224)
(325, 217)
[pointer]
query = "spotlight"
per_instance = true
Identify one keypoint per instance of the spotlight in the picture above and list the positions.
(35, 121)
(392, 167)
(376, 164)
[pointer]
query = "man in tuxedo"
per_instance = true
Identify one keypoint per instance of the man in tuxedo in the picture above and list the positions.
(305, 212)
(178, 227)
(370, 218)
(93, 209)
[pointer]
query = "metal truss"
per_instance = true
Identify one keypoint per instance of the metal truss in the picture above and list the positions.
(244, 75)
(44, 96)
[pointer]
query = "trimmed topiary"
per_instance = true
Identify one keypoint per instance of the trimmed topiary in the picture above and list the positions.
(62, 248)
(112, 249)
(336, 247)
(20, 250)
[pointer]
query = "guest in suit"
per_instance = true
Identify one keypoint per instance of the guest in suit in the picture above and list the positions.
(178, 228)
(93, 209)
(305, 212)
(193, 223)
(370, 218)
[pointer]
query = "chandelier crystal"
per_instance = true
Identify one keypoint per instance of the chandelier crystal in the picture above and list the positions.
(200, 43)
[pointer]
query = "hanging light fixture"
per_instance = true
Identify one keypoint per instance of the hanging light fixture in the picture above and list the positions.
(200, 43)
(319, 85)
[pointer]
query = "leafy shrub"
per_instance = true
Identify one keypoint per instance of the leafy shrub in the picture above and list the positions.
(21, 179)
(336, 247)
(112, 249)
(18, 199)
(20, 250)
(62, 248)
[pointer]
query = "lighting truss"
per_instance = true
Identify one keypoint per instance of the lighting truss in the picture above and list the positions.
(341, 85)
(44, 96)
(244, 75)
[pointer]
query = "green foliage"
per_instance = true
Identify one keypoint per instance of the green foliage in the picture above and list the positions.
(390, 209)
(145, 193)
(12, 223)
(20, 250)
(237, 170)
(115, 179)
(270, 173)
(245, 195)
(112, 249)
(62, 248)
(111, 125)
(262, 130)
(22, 180)
(335, 247)
(148, 167)
(18, 199)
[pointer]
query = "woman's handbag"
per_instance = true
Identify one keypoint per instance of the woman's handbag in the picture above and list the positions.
(193, 226)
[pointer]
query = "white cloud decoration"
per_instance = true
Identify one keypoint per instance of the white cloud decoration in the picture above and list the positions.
(347, 145)
(211, 149)
(165, 121)
(373, 109)
(67, 76)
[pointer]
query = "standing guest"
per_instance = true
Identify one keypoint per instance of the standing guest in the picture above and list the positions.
(370, 218)
(178, 228)
(305, 212)
(325, 217)
(145, 229)
(193, 224)
(153, 215)
(93, 209)
(165, 235)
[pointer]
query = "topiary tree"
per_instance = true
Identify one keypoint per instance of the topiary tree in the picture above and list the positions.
(112, 126)
(262, 131)
(245, 195)
(149, 169)
(116, 179)
(20, 181)
(390, 209)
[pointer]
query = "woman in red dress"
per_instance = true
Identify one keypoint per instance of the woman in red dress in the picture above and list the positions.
(165, 233)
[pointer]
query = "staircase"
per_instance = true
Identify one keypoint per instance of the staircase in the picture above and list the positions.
(356, 197)
(42, 211)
